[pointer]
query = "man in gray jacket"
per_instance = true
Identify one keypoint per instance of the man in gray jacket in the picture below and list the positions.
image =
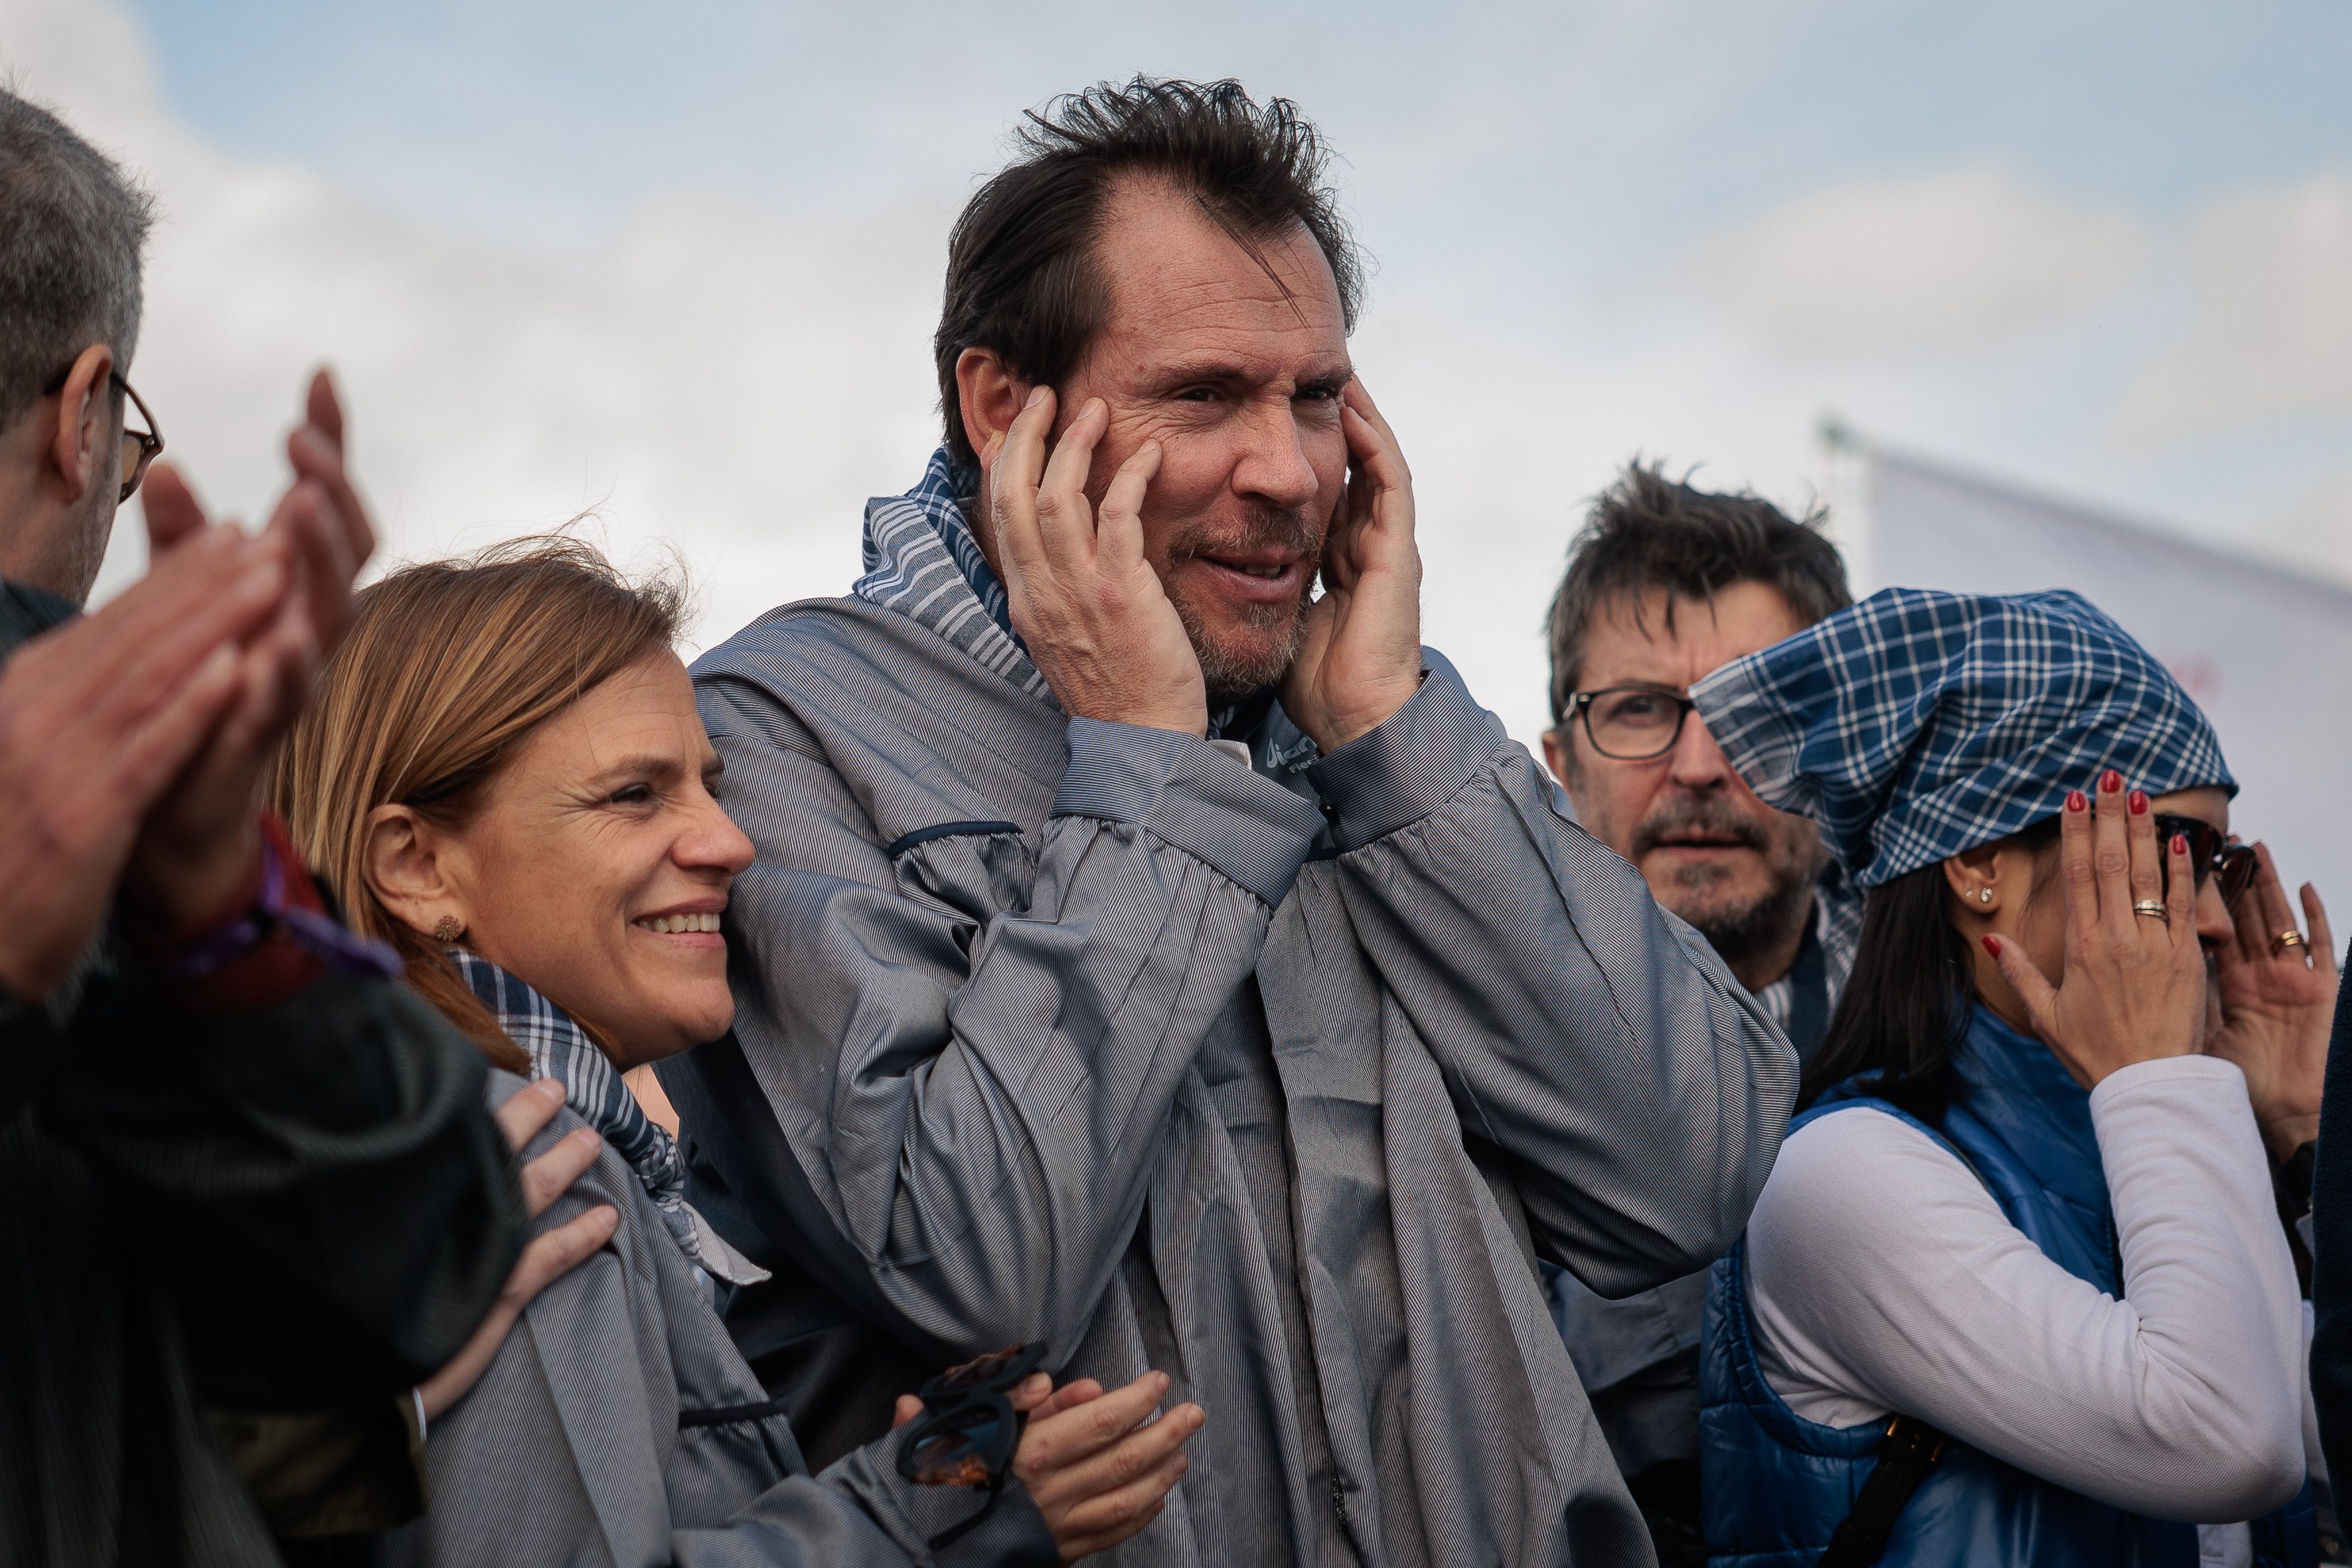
(1148, 957)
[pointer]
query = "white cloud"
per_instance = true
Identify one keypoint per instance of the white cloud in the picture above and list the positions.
(2272, 333)
(730, 374)
(732, 380)
(1901, 265)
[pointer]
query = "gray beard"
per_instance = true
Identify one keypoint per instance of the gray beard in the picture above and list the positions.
(1231, 675)
(1740, 934)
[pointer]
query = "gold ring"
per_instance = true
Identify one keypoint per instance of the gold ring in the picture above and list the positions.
(2285, 940)
(2153, 909)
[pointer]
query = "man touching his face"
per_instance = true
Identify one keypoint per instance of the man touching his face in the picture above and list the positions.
(1665, 583)
(1154, 958)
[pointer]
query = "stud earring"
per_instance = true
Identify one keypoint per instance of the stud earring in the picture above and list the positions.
(447, 928)
(1984, 895)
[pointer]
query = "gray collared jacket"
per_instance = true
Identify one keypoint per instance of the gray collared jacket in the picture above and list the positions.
(982, 957)
(618, 1427)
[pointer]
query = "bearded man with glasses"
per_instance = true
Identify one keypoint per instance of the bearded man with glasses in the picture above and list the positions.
(1665, 583)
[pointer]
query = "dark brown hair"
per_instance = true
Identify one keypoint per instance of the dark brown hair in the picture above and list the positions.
(1907, 1001)
(448, 668)
(1021, 274)
(1649, 532)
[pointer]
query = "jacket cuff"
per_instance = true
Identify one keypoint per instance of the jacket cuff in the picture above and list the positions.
(1411, 762)
(1193, 795)
(1005, 1531)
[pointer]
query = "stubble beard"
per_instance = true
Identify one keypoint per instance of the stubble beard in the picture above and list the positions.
(1745, 927)
(1247, 649)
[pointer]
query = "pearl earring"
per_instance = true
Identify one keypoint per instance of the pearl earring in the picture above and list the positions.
(447, 930)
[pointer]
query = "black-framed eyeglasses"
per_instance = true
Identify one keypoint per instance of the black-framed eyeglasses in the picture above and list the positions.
(1630, 723)
(2211, 853)
(969, 1430)
(140, 447)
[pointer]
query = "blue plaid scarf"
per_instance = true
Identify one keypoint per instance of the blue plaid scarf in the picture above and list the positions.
(923, 561)
(559, 1049)
(1919, 724)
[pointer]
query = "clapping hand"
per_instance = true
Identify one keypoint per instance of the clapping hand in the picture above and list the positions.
(1096, 620)
(2134, 988)
(196, 851)
(1359, 660)
(97, 720)
(2278, 999)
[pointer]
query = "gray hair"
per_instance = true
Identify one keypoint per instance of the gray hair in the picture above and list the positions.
(1649, 532)
(71, 226)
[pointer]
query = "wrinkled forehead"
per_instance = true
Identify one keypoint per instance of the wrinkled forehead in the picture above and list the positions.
(1178, 284)
(1654, 633)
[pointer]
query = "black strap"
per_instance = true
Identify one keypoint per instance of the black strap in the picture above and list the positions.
(1910, 1451)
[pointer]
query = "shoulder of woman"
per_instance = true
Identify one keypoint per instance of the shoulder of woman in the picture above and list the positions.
(1862, 1173)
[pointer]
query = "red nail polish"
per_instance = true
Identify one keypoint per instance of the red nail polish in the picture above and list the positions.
(1992, 945)
(2077, 801)
(2110, 781)
(2140, 802)
(2181, 844)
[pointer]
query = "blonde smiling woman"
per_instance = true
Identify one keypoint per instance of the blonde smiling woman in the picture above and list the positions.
(506, 775)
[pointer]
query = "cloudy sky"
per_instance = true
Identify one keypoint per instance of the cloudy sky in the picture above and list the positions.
(677, 265)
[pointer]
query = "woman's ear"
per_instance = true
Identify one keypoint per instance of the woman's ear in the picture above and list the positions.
(404, 860)
(1974, 876)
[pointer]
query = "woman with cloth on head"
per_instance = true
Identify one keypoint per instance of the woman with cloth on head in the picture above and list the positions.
(2023, 1243)
(505, 771)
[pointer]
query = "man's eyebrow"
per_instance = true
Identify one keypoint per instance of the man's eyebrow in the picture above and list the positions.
(1225, 372)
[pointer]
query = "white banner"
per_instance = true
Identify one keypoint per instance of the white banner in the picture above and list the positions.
(2267, 653)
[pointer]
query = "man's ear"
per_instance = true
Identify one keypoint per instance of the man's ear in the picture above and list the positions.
(85, 423)
(989, 395)
(405, 861)
(1558, 758)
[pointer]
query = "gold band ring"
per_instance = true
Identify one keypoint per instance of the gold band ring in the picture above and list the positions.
(2153, 909)
(2285, 940)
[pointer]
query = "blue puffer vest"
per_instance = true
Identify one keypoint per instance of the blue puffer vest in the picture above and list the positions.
(1776, 1486)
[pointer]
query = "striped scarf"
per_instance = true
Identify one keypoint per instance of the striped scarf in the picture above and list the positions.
(923, 561)
(561, 1050)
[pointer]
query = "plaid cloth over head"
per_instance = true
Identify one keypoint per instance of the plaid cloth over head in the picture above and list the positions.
(1918, 724)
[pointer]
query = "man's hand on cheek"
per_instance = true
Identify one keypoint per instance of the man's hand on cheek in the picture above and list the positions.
(1096, 620)
(1360, 660)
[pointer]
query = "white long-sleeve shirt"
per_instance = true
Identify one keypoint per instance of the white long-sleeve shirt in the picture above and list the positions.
(1883, 1277)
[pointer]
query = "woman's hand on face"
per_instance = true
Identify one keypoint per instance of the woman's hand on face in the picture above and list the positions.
(2134, 988)
(2277, 1005)
(549, 1258)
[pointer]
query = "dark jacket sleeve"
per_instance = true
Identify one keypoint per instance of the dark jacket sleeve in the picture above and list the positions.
(321, 1182)
(2331, 1251)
